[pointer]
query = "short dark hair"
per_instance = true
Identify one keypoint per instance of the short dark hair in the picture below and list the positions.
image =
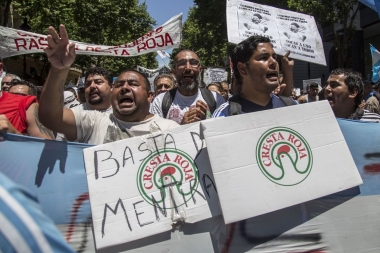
(313, 85)
(164, 75)
(353, 81)
(32, 88)
(146, 81)
(99, 71)
(243, 52)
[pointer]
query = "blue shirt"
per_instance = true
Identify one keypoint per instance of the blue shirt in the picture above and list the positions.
(24, 227)
(248, 106)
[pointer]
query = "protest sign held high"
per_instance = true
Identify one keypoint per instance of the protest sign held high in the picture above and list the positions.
(16, 42)
(287, 30)
(214, 75)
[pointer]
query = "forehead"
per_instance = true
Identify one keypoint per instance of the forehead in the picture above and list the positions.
(186, 55)
(131, 76)
(95, 76)
(19, 87)
(264, 48)
(164, 80)
(337, 78)
(7, 79)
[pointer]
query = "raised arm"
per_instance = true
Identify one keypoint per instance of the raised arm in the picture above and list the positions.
(51, 111)
(286, 86)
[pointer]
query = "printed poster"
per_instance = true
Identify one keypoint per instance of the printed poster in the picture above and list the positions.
(287, 30)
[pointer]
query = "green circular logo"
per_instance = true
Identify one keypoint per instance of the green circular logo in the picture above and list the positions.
(167, 178)
(284, 156)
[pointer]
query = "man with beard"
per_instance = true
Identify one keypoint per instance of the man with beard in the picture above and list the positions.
(130, 98)
(344, 91)
(97, 90)
(256, 69)
(187, 103)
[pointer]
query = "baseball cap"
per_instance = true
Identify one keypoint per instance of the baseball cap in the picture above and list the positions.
(69, 99)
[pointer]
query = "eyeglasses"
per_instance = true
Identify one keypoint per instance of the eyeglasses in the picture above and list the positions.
(193, 63)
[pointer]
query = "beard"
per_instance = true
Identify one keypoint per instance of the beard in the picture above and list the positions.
(95, 101)
(191, 86)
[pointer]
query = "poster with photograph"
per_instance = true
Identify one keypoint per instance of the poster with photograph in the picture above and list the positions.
(258, 20)
(287, 30)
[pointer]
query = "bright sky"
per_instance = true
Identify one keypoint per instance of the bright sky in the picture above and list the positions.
(163, 10)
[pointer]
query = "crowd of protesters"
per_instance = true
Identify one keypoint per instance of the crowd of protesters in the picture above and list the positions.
(99, 110)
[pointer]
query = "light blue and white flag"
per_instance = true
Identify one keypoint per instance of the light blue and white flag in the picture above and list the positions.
(373, 4)
(375, 64)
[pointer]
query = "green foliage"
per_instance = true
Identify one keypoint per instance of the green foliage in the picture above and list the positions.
(102, 22)
(205, 32)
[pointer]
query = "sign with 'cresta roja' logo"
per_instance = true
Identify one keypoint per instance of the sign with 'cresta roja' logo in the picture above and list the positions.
(284, 156)
(270, 160)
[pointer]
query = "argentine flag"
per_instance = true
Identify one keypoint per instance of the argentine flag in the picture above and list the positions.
(375, 64)
(373, 4)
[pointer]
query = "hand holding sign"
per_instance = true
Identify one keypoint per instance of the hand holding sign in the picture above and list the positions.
(286, 84)
(60, 52)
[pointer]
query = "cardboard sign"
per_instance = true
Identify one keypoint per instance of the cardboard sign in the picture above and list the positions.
(277, 160)
(214, 75)
(287, 30)
(142, 186)
(16, 42)
(305, 83)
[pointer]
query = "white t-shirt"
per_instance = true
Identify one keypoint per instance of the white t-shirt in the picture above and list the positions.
(84, 107)
(81, 107)
(181, 104)
(94, 127)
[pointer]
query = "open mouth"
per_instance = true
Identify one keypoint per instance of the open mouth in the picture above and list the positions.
(126, 101)
(188, 78)
(272, 76)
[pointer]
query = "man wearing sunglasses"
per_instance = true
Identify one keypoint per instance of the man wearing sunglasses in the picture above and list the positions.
(188, 102)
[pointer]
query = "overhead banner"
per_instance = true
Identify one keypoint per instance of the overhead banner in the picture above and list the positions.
(212, 75)
(169, 35)
(343, 222)
(287, 30)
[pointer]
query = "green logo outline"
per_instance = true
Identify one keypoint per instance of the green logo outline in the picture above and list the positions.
(262, 167)
(141, 168)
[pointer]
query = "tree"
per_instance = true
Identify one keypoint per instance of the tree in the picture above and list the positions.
(330, 12)
(205, 32)
(105, 22)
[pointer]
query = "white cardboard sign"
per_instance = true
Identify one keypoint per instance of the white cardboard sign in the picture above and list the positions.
(140, 186)
(287, 30)
(276, 160)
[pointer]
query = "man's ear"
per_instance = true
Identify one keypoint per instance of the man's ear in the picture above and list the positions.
(150, 96)
(242, 68)
(354, 93)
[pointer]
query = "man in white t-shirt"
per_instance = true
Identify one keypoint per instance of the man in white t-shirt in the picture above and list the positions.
(97, 90)
(130, 99)
(188, 103)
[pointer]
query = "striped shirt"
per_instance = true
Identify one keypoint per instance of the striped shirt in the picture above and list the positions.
(24, 227)
(224, 109)
(368, 117)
